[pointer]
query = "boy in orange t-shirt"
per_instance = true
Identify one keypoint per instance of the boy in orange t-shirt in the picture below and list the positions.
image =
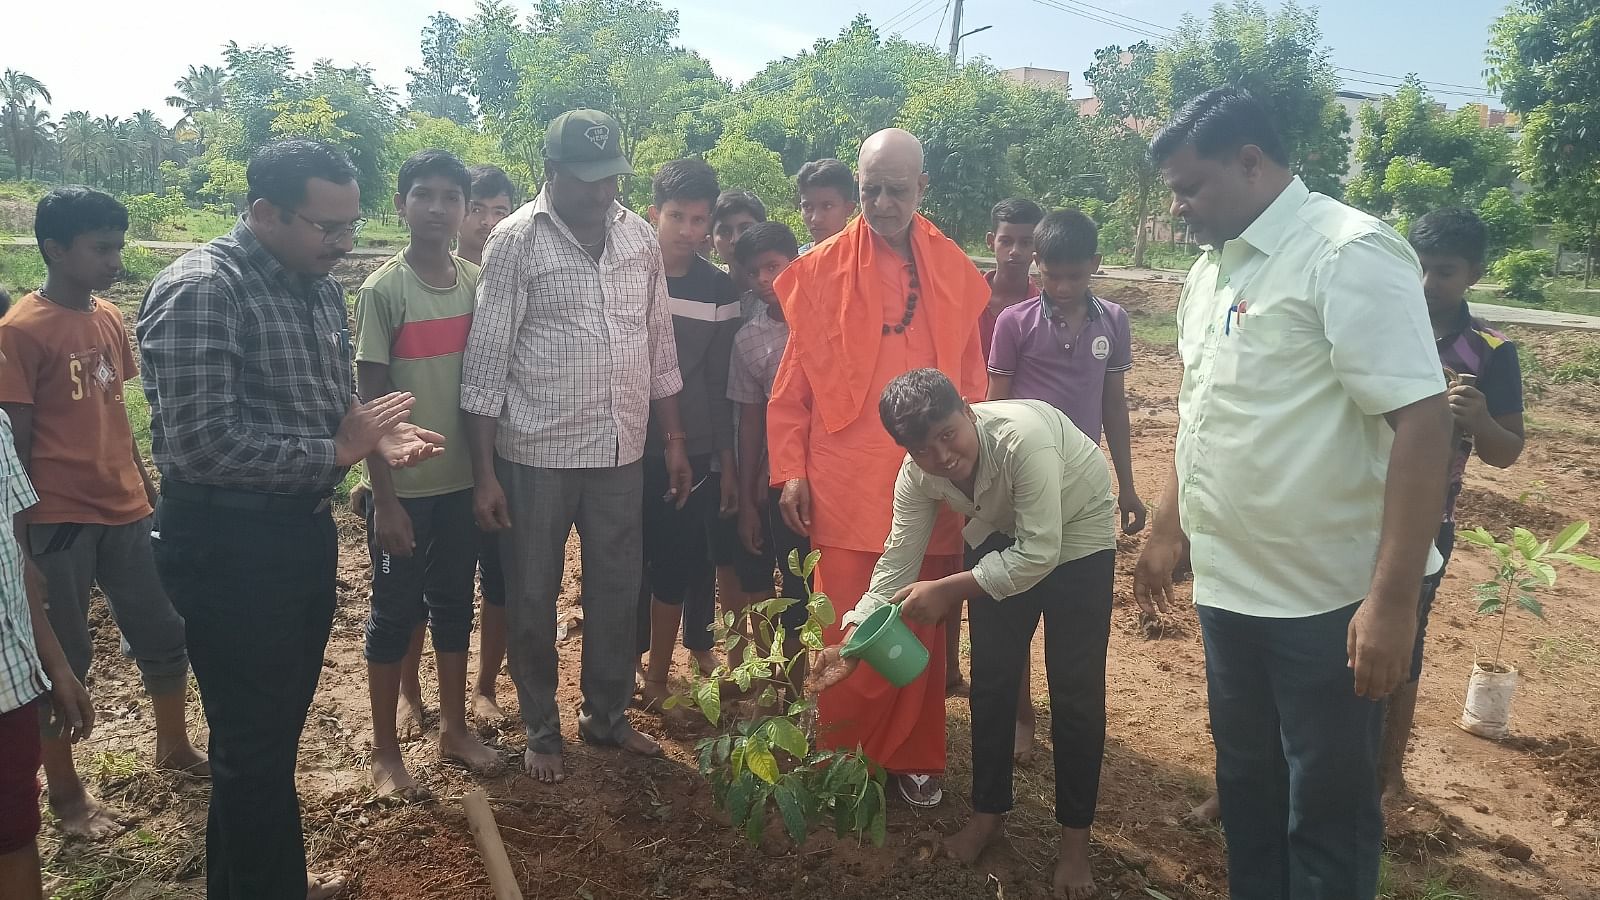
(67, 358)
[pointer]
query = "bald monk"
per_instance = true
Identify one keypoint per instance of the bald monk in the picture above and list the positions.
(888, 294)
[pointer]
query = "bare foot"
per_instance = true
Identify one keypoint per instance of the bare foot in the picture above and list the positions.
(409, 718)
(1074, 877)
(639, 743)
(391, 779)
(485, 708)
(463, 748)
(183, 758)
(653, 696)
(85, 817)
(705, 659)
(544, 767)
(969, 843)
(325, 885)
(1022, 748)
(1207, 813)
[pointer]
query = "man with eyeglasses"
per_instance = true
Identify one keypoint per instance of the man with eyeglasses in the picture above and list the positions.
(254, 422)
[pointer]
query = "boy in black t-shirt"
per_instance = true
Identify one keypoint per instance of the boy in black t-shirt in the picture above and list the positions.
(679, 574)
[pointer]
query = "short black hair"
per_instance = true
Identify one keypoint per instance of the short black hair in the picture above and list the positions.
(764, 236)
(827, 173)
(1219, 122)
(430, 163)
(67, 212)
(1066, 236)
(1451, 231)
(686, 180)
(5, 301)
(1017, 211)
(491, 181)
(279, 171)
(913, 403)
(735, 201)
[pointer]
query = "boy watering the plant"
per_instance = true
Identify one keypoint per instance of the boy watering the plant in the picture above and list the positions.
(678, 571)
(63, 384)
(1072, 350)
(1041, 539)
(412, 317)
(1451, 244)
(764, 251)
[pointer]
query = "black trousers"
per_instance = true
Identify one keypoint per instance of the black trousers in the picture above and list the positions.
(1075, 602)
(257, 594)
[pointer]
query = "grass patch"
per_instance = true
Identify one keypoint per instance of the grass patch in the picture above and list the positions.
(1156, 331)
(113, 765)
(1158, 256)
(21, 270)
(1564, 294)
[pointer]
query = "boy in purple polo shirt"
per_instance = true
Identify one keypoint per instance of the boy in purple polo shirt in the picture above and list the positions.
(1072, 350)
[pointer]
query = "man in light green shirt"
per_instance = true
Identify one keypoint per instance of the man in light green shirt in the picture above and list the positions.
(1041, 538)
(1313, 433)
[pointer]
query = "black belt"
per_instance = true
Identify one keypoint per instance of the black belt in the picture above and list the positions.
(252, 501)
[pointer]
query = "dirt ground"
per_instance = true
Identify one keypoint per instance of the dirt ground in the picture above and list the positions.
(627, 828)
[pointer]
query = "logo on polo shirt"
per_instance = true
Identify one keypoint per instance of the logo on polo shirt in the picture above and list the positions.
(1101, 347)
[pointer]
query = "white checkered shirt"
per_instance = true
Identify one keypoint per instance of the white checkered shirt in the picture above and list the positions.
(22, 679)
(757, 349)
(566, 352)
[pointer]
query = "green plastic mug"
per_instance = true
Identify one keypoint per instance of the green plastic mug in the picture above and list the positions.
(885, 643)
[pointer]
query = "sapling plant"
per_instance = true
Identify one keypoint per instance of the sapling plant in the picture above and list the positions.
(765, 758)
(1523, 567)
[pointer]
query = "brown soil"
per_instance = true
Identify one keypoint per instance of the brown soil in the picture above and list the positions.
(627, 828)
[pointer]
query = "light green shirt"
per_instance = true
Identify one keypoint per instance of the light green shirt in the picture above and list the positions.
(1296, 338)
(1040, 481)
(420, 332)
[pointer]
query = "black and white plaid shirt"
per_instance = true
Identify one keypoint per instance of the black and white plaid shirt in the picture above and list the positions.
(247, 369)
(567, 352)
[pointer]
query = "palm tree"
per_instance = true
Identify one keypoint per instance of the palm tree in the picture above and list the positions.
(116, 146)
(37, 135)
(150, 142)
(80, 144)
(17, 91)
(201, 90)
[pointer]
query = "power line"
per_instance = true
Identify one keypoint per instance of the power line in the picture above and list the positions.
(1138, 26)
(940, 30)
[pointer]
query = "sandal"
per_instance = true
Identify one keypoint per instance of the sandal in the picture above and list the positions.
(921, 791)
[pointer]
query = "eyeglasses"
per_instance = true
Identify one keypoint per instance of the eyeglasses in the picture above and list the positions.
(333, 234)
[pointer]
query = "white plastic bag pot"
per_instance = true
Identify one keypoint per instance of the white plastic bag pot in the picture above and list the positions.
(1487, 713)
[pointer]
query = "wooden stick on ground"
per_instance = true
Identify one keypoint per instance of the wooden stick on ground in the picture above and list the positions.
(480, 818)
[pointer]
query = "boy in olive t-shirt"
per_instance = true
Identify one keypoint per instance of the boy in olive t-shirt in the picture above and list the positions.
(412, 319)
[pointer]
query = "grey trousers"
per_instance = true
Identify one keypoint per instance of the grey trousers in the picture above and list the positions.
(73, 558)
(544, 505)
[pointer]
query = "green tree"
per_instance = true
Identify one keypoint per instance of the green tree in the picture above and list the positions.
(742, 163)
(1544, 55)
(18, 90)
(200, 90)
(311, 117)
(1417, 186)
(967, 127)
(1410, 127)
(1507, 219)
(471, 145)
(437, 88)
(1280, 58)
(1130, 110)
(490, 43)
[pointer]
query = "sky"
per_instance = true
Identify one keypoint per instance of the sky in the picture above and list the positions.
(132, 53)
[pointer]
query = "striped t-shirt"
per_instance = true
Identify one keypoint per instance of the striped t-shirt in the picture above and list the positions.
(420, 333)
(705, 317)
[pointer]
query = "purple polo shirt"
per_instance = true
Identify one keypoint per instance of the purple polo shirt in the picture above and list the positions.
(1047, 363)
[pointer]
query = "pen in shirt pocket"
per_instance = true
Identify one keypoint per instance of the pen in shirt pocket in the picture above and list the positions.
(1235, 316)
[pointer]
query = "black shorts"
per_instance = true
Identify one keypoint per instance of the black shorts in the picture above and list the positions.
(491, 574)
(1430, 589)
(754, 570)
(677, 558)
(783, 542)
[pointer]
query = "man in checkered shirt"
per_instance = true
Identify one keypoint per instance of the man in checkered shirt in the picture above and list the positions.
(571, 348)
(254, 422)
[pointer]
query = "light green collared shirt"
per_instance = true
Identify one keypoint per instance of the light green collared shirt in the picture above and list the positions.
(1040, 481)
(1296, 338)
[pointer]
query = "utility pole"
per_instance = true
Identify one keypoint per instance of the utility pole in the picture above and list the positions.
(955, 32)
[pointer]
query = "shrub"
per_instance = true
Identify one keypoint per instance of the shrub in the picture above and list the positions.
(148, 211)
(1523, 273)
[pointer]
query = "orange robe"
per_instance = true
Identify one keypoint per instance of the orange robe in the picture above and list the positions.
(823, 425)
